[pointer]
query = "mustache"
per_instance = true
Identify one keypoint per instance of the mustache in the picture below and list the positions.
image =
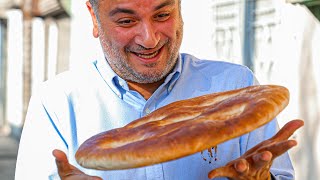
(139, 48)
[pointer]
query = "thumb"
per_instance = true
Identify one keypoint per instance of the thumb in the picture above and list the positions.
(67, 170)
(61, 161)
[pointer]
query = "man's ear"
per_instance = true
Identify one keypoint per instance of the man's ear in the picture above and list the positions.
(94, 19)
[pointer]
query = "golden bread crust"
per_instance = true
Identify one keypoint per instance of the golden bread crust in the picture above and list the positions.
(183, 128)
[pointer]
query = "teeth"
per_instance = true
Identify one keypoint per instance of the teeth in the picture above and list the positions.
(148, 56)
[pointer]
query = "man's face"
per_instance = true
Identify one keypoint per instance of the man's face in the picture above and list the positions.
(140, 38)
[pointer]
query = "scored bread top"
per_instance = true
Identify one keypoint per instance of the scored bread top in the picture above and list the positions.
(183, 128)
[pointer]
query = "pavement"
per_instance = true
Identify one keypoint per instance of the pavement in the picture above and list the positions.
(8, 155)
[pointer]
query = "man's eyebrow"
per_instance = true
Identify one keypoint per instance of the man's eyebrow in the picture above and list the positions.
(129, 11)
(121, 10)
(166, 3)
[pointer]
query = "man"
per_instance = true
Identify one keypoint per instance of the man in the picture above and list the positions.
(142, 71)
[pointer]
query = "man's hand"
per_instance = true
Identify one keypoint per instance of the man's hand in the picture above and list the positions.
(256, 162)
(67, 171)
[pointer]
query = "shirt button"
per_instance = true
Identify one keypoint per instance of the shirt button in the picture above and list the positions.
(121, 84)
(148, 111)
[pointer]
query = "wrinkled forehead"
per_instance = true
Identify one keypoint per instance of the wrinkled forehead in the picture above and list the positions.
(113, 7)
(139, 3)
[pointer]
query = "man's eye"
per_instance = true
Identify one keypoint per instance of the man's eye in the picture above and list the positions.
(162, 16)
(126, 22)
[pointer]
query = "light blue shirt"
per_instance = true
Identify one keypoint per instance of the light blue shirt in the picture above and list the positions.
(75, 105)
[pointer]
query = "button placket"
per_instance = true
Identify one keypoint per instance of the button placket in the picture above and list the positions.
(148, 108)
(147, 111)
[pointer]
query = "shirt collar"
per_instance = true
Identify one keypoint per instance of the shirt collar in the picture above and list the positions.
(174, 75)
(109, 76)
(119, 85)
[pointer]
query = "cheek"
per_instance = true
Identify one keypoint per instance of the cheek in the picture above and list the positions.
(120, 37)
(170, 29)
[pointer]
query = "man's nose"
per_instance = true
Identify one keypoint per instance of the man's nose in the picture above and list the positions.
(147, 36)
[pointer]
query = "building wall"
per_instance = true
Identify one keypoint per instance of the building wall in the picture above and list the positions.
(81, 31)
(297, 66)
(14, 82)
(198, 36)
(29, 61)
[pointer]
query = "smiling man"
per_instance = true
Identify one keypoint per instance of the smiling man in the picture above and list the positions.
(141, 72)
(140, 41)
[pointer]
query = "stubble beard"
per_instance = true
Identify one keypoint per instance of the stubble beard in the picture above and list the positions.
(120, 64)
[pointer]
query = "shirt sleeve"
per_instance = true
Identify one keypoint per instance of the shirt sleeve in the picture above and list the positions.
(40, 136)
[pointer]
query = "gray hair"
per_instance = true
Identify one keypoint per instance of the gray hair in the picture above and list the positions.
(94, 4)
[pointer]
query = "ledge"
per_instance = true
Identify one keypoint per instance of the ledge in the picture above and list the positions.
(312, 5)
(54, 8)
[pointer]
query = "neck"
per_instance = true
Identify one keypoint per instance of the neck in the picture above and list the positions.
(146, 90)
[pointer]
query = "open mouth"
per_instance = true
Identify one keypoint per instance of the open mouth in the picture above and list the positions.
(147, 55)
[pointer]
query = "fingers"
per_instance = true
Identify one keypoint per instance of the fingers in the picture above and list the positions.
(232, 170)
(225, 171)
(283, 135)
(288, 129)
(262, 159)
(241, 166)
(260, 162)
(279, 148)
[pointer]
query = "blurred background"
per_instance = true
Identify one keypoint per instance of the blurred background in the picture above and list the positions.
(278, 39)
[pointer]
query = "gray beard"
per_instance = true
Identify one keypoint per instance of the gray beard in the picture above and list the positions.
(126, 72)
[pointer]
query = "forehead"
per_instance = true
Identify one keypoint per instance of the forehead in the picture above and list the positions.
(145, 4)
